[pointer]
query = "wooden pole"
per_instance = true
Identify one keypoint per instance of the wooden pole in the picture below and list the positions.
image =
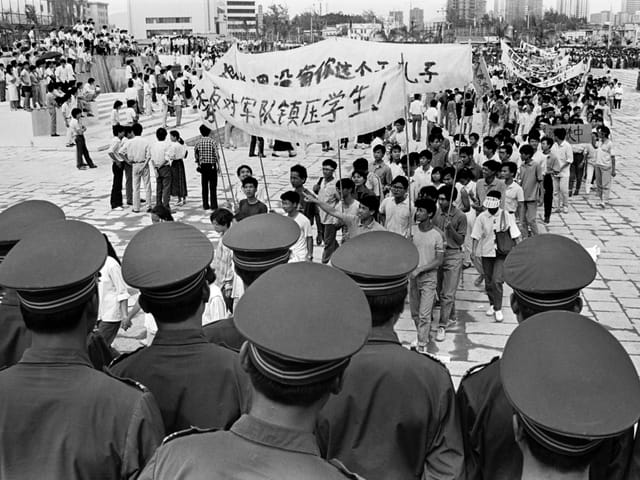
(264, 177)
(224, 159)
(406, 135)
(340, 175)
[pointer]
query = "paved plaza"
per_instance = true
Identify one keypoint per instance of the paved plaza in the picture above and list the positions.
(612, 299)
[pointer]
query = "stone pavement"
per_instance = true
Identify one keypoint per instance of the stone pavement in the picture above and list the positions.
(612, 299)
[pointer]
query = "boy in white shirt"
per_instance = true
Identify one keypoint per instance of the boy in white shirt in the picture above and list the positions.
(416, 110)
(302, 250)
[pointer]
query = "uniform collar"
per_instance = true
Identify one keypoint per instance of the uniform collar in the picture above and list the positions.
(179, 337)
(383, 335)
(264, 433)
(56, 355)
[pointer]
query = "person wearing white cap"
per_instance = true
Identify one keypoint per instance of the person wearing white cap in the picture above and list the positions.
(494, 232)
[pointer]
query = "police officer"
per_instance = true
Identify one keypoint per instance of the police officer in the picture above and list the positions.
(572, 386)
(259, 242)
(396, 414)
(546, 272)
(15, 221)
(61, 418)
(297, 348)
(195, 382)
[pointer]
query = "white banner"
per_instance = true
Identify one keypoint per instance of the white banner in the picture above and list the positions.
(323, 113)
(429, 67)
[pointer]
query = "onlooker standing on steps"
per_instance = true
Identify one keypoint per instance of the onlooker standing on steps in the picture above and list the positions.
(52, 108)
(117, 167)
(605, 166)
(137, 151)
(206, 153)
(160, 160)
(77, 132)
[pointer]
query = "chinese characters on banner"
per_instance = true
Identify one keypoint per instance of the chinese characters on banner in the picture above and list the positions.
(481, 77)
(325, 112)
(428, 68)
(576, 132)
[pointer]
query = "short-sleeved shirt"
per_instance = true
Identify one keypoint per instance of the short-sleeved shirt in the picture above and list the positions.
(246, 209)
(531, 175)
(482, 188)
(397, 215)
(112, 291)
(383, 171)
(458, 221)
(603, 154)
(564, 153)
(299, 250)
(429, 244)
(512, 196)
(485, 227)
(327, 194)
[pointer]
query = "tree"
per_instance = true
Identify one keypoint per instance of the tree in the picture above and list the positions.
(276, 22)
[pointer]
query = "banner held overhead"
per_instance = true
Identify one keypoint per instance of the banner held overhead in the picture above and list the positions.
(325, 112)
(428, 67)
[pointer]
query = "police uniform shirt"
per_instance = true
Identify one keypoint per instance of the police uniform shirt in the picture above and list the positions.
(15, 337)
(252, 449)
(194, 382)
(395, 416)
(224, 333)
(64, 420)
(491, 451)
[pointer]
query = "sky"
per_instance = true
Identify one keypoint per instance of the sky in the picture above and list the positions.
(382, 7)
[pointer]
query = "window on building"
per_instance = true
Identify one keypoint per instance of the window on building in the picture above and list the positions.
(169, 33)
(151, 20)
(247, 11)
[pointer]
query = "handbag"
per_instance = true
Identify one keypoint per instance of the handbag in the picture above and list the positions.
(504, 242)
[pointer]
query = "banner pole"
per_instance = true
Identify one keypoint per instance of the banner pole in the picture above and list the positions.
(406, 136)
(224, 159)
(340, 175)
(224, 189)
(264, 177)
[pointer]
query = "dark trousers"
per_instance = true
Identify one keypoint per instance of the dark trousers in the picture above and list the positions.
(163, 185)
(492, 268)
(330, 242)
(547, 184)
(108, 331)
(209, 181)
(577, 173)
(116, 187)
(82, 152)
(128, 185)
(416, 127)
(252, 145)
(617, 103)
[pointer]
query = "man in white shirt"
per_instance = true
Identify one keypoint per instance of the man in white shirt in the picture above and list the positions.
(326, 191)
(513, 194)
(117, 167)
(416, 110)
(432, 116)
(395, 210)
(160, 160)
(302, 250)
(564, 153)
(138, 154)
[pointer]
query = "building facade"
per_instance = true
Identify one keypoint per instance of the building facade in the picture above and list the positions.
(99, 12)
(416, 19)
(241, 18)
(630, 6)
(600, 18)
(574, 8)
(465, 12)
(511, 10)
(151, 18)
(396, 18)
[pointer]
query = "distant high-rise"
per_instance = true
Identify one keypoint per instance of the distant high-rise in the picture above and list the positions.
(396, 17)
(416, 19)
(630, 6)
(510, 10)
(574, 8)
(465, 12)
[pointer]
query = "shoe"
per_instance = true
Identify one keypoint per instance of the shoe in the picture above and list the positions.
(490, 311)
(135, 211)
(129, 203)
(557, 210)
(466, 265)
(421, 348)
(252, 155)
(478, 281)
(499, 316)
(143, 201)
(565, 210)
(318, 241)
(547, 219)
(149, 210)
(55, 135)
(118, 208)
(441, 335)
(452, 323)
(275, 155)
(82, 167)
(93, 166)
(71, 144)
(292, 154)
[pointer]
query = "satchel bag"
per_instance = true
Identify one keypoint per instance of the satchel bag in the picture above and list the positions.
(504, 242)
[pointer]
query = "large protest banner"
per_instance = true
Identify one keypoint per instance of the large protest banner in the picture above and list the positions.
(325, 112)
(428, 67)
(481, 77)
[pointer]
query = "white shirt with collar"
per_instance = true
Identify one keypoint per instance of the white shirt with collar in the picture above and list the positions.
(158, 153)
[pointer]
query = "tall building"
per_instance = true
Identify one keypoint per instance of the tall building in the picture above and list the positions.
(600, 18)
(241, 18)
(574, 8)
(416, 19)
(98, 11)
(396, 17)
(510, 10)
(465, 12)
(150, 18)
(630, 6)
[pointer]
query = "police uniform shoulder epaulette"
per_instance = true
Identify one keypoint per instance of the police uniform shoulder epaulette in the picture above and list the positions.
(479, 367)
(186, 432)
(344, 470)
(430, 356)
(128, 381)
(122, 356)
